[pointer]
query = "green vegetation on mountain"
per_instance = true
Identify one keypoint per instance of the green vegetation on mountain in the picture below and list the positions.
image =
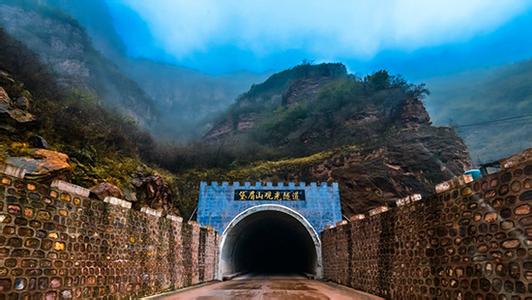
(102, 146)
(185, 99)
(66, 50)
(310, 108)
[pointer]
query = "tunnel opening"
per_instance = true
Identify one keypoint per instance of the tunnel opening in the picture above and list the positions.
(270, 241)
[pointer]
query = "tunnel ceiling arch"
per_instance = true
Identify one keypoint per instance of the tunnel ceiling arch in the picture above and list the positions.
(270, 238)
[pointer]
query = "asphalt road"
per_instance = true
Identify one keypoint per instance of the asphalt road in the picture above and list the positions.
(270, 287)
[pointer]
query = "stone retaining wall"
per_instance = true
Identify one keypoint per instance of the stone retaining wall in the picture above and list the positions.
(470, 242)
(57, 245)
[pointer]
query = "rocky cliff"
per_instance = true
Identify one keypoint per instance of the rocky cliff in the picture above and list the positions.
(64, 46)
(318, 123)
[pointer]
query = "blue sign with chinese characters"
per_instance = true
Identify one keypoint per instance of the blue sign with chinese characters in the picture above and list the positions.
(219, 203)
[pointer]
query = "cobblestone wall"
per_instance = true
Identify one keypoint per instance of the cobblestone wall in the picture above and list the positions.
(208, 254)
(471, 242)
(56, 245)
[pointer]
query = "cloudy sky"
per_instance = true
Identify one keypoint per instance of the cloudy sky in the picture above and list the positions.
(218, 36)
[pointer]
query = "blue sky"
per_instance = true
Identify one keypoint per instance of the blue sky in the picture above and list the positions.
(415, 38)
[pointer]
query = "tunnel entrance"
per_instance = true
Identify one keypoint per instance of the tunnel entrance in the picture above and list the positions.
(270, 239)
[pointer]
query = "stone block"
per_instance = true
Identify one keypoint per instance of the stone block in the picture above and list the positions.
(378, 210)
(151, 212)
(12, 171)
(70, 188)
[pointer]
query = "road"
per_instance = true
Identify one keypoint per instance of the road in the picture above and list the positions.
(270, 287)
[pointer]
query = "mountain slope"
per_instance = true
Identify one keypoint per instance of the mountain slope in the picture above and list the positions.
(63, 45)
(185, 98)
(54, 134)
(482, 96)
(319, 123)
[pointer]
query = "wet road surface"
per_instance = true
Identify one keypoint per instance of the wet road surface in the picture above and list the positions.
(271, 287)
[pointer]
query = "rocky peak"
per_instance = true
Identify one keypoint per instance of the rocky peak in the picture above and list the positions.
(373, 135)
(279, 84)
(304, 89)
(412, 113)
(311, 108)
(299, 84)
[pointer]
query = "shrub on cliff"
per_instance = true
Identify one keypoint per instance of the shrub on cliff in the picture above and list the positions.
(71, 120)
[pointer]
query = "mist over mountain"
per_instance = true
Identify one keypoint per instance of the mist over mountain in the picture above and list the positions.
(190, 100)
(490, 108)
(186, 99)
(63, 45)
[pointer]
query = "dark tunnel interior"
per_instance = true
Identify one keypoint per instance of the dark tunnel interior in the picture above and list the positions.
(271, 242)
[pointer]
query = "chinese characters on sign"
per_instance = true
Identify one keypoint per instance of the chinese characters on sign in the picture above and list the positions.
(269, 195)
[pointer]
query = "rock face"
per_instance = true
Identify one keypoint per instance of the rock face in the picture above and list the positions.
(4, 97)
(13, 112)
(154, 192)
(43, 165)
(22, 103)
(106, 189)
(63, 45)
(413, 113)
(412, 162)
(38, 141)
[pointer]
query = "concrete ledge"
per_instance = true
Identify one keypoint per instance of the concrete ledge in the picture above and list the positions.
(151, 212)
(378, 210)
(70, 188)
(12, 171)
(367, 296)
(117, 201)
(408, 199)
(455, 182)
(357, 217)
(174, 218)
(269, 184)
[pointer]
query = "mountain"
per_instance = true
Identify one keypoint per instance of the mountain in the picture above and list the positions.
(491, 109)
(64, 45)
(55, 134)
(319, 123)
(308, 123)
(186, 99)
